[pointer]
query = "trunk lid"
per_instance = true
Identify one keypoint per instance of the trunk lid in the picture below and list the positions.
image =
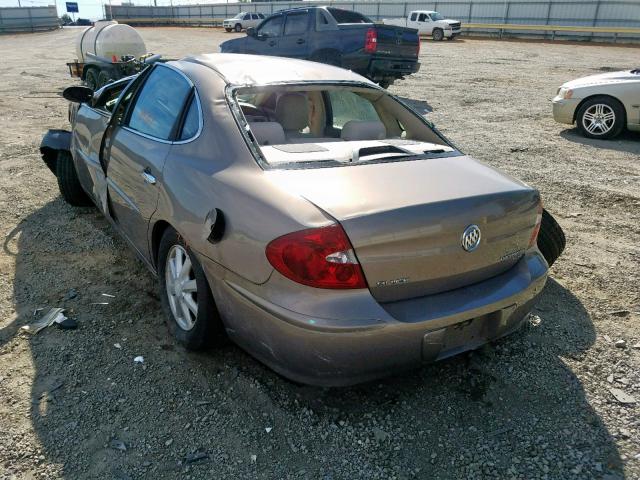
(405, 220)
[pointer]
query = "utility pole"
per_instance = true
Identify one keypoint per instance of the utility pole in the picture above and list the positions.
(19, 4)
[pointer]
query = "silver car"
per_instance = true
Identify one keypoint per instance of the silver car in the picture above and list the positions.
(325, 226)
(601, 105)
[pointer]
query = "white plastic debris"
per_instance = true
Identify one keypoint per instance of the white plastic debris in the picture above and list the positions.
(254, 458)
(268, 429)
(139, 359)
(117, 345)
(54, 315)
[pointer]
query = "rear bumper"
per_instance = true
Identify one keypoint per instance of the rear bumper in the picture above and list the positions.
(381, 68)
(391, 337)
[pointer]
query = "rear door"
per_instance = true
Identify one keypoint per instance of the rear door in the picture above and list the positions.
(135, 150)
(294, 42)
(267, 37)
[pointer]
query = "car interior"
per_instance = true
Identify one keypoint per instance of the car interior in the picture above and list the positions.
(292, 123)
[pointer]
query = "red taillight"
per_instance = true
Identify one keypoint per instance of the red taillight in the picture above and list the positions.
(536, 229)
(318, 257)
(371, 41)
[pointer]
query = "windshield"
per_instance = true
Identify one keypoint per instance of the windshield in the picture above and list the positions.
(240, 15)
(335, 124)
(435, 16)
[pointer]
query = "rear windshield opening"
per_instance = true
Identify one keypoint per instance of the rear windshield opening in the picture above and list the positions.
(347, 16)
(334, 123)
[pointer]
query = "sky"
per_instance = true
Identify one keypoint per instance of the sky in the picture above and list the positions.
(93, 9)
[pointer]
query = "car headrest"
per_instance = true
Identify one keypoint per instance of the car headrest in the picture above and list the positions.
(268, 133)
(292, 111)
(361, 130)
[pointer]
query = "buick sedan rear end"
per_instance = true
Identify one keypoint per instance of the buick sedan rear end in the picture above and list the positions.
(332, 231)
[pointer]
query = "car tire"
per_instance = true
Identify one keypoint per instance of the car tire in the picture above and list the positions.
(437, 34)
(386, 83)
(551, 239)
(91, 79)
(592, 115)
(68, 181)
(238, 28)
(50, 159)
(229, 30)
(195, 330)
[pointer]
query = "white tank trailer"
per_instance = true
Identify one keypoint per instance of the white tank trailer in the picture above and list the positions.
(110, 40)
(108, 51)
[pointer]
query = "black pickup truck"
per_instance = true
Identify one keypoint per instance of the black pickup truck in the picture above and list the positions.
(338, 37)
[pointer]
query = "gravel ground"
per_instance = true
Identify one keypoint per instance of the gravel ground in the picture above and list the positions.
(538, 404)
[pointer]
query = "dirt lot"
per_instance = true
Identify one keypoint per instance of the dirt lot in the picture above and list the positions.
(535, 405)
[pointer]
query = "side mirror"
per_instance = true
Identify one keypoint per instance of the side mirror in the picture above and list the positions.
(78, 94)
(251, 32)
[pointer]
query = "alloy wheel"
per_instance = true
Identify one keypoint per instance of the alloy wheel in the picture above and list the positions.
(598, 119)
(182, 289)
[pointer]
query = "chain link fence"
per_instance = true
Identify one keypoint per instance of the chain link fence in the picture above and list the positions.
(606, 14)
(28, 19)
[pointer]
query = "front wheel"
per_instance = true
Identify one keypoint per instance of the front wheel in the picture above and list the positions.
(68, 181)
(191, 313)
(601, 117)
(238, 28)
(438, 34)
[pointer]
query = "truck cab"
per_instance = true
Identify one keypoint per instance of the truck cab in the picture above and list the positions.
(429, 22)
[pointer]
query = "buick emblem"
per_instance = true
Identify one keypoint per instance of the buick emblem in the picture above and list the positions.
(471, 238)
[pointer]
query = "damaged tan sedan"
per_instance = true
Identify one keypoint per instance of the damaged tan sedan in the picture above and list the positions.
(325, 226)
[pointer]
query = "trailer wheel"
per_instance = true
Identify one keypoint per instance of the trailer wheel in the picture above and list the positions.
(104, 78)
(91, 79)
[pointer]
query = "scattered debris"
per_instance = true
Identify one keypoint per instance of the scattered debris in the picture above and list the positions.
(636, 346)
(195, 457)
(618, 313)
(139, 359)
(99, 303)
(67, 324)
(118, 445)
(621, 396)
(573, 215)
(534, 320)
(268, 429)
(379, 435)
(518, 149)
(610, 378)
(254, 458)
(53, 315)
(168, 442)
(108, 295)
(117, 345)
(71, 294)
(620, 344)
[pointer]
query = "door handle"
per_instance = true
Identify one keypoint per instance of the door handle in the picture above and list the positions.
(300, 41)
(148, 178)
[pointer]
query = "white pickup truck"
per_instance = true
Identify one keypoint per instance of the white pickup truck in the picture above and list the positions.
(428, 22)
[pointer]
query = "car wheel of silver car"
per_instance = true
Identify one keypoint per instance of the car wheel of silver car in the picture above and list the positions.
(601, 117)
(238, 27)
(186, 297)
(438, 34)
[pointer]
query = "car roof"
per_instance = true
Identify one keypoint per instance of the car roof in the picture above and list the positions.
(243, 69)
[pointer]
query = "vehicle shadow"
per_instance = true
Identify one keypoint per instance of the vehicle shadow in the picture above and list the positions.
(506, 410)
(628, 142)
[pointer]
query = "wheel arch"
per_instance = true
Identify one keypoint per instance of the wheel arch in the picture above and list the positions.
(605, 95)
(157, 232)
